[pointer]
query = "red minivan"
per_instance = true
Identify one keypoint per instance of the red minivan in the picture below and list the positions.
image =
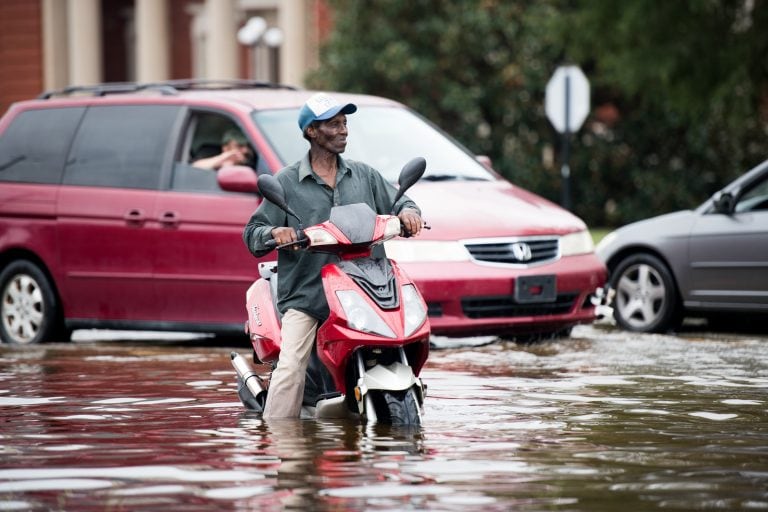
(105, 222)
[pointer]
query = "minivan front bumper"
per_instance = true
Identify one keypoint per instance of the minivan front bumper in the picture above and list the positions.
(466, 298)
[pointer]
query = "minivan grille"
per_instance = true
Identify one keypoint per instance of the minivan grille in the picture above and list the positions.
(505, 305)
(518, 251)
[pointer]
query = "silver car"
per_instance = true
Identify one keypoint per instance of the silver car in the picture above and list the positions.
(701, 262)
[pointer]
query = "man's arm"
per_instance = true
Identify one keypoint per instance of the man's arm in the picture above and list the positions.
(258, 231)
(228, 157)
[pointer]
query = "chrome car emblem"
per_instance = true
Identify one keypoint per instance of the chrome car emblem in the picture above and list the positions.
(522, 251)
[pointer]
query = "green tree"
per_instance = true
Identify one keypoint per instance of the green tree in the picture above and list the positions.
(685, 81)
(690, 79)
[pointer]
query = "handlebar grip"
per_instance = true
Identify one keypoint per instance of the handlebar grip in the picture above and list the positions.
(407, 234)
(301, 241)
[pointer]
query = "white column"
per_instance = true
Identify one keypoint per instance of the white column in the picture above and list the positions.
(292, 19)
(220, 40)
(152, 41)
(54, 44)
(84, 21)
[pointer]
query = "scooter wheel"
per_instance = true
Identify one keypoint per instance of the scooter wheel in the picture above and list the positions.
(396, 407)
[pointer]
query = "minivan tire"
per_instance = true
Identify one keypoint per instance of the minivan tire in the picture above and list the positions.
(29, 307)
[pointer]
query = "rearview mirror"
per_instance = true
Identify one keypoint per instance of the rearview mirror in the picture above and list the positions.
(724, 202)
(409, 175)
(273, 192)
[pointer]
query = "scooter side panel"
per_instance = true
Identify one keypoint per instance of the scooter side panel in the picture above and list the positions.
(263, 321)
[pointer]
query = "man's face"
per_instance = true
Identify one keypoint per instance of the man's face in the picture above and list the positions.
(331, 135)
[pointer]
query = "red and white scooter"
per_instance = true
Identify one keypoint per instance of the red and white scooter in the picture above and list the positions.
(371, 349)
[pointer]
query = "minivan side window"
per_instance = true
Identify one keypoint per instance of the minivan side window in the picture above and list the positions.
(121, 146)
(34, 146)
(204, 138)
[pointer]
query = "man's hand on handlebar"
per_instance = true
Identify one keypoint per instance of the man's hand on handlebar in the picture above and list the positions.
(411, 222)
(285, 236)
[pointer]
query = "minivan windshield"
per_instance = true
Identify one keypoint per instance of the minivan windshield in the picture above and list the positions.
(382, 137)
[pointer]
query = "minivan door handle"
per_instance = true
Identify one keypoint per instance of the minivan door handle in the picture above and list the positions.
(134, 217)
(169, 219)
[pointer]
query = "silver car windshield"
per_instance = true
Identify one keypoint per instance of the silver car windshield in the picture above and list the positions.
(382, 137)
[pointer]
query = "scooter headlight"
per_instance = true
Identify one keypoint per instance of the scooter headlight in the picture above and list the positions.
(320, 237)
(392, 228)
(361, 316)
(414, 310)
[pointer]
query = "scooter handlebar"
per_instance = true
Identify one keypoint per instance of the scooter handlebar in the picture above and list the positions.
(407, 234)
(301, 241)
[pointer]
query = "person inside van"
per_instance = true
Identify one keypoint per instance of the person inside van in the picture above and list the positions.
(234, 151)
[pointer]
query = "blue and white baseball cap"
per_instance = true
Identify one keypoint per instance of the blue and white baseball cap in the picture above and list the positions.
(322, 107)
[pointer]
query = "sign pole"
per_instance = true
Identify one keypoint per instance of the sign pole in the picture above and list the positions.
(567, 106)
(565, 169)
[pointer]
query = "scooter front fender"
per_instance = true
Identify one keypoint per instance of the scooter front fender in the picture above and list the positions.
(393, 377)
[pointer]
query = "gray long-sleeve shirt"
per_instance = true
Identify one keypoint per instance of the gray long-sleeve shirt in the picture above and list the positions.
(299, 284)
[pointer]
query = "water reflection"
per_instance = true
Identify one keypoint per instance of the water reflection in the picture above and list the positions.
(604, 421)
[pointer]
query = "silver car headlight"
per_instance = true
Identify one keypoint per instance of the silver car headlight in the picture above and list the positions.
(576, 243)
(361, 316)
(414, 310)
(606, 241)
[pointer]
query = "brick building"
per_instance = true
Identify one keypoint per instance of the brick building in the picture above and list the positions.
(51, 44)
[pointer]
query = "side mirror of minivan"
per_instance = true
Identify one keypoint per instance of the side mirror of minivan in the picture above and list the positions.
(237, 178)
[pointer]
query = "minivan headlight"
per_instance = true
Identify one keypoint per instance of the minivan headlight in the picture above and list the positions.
(576, 243)
(404, 251)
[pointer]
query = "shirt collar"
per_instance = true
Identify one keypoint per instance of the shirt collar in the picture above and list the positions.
(305, 169)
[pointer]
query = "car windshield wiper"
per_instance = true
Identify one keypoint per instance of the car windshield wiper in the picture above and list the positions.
(450, 177)
(12, 162)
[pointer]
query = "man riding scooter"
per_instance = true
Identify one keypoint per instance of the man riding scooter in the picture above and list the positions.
(313, 185)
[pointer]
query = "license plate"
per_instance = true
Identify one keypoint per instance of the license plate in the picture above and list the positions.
(533, 289)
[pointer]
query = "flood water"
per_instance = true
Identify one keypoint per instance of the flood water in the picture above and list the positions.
(604, 421)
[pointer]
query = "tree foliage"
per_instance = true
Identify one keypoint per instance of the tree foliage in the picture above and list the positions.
(679, 89)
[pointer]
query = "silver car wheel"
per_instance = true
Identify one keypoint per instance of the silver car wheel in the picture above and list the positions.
(640, 296)
(23, 308)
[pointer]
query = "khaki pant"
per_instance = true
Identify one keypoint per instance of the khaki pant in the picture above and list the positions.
(286, 388)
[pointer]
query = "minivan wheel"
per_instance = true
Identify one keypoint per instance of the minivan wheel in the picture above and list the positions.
(646, 295)
(30, 311)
